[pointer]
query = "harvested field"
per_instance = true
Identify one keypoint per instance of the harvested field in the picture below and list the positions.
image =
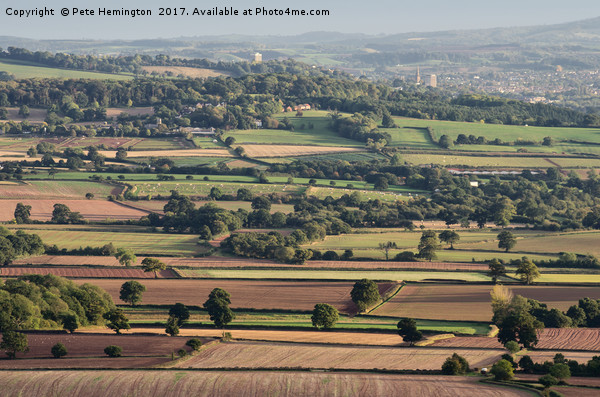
(472, 302)
(186, 71)
(571, 391)
(242, 384)
(293, 150)
(56, 190)
(284, 295)
(570, 339)
(346, 338)
(138, 349)
(281, 355)
(35, 115)
(233, 262)
(66, 260)
(171, 153)
(136, 111)
(539, 356)
(93, 210)
(138, 239)
(75, 272)
(480, 342)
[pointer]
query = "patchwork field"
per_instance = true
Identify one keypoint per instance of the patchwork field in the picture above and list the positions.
(472, 302)
(92, 210)
(86, 350)
(322, 137)
(243, 384)
(46, 190)
(245, 294)
(283, 355)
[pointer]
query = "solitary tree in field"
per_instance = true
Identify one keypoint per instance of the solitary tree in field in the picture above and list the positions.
(527, 271)
(386, 247)
(125, 257)
(180, 312)
(153, 265)
(428, 245)
(14, 342)
(218, 309)
(172, 327)
(117, 320)
(324, 316)
(22, 213)
(365, 293)
(407, 329)
(497, 270)
(59, 350)
(131, 292)
(455, 365)
(449, 237)
(506, 240)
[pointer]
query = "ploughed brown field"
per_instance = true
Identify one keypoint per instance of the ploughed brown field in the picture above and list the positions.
(242, 384)
(232, 262)
(87, 350)
(472, 302)
(75, 272)
(586, 339)
(245, 294)
(282, 355)
(93, 210)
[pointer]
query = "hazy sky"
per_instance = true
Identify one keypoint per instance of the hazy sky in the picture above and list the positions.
(350, 16)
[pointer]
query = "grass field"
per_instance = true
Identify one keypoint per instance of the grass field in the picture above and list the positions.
(265, 151)
(323, 137)
(28, 71)
(203, 188)
(185, 71)
(334, 275)
(485, 161)
(505, 132)
(129, 237)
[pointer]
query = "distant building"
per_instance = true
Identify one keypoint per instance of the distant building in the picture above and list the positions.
(258, 57)
(258, 123)
(304, 106)
(418, 77)
(198, 131)
(432, 80)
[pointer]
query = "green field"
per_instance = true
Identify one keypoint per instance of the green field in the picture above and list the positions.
(481, 161)
(143, 315)
(28, 71)
(203, 188)
(407, 137)
(162, 143)
(567, 278)
(137, 239)
(508, 133)
(334, 275)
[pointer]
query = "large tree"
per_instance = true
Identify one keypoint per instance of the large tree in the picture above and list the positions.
(386, 247)
(22, 213)
(506, 240)
(365, 293)
(449, 237)
(527, 271)
(180, 312)
(125, 257)
(428, 245)
(407, 329)
(217, 306)
(14, 342)
(153, 265)
(324, 316)
(117, 320)
(131, 292)
(497, 270)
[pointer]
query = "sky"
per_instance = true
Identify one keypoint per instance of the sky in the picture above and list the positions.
(349, 16)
